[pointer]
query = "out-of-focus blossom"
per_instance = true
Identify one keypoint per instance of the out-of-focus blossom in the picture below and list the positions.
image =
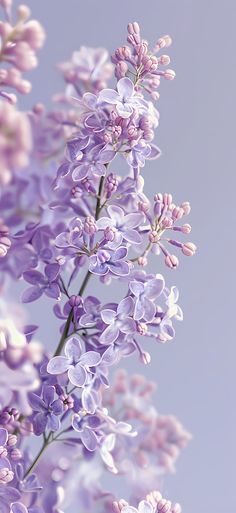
(15, 141)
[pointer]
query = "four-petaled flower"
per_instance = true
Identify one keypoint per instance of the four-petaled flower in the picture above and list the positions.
(118, 321)
(124, 225)
(42, 283)
(125, 100)
(74, 362)
(105, 261)
(93, 163)
(48, 410)
(145, 295)
(86, 426)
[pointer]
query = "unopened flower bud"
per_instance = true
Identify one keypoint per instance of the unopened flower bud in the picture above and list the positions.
(109, 233)
(16, 454)
(171, 261)
(186, 228)
(177, 212)
(75, 301)
(186, 207)
(169, 74)
(189, 249)
(153, 236)
(142, 261)
(12, 440)
(90, 225)
(6, 475)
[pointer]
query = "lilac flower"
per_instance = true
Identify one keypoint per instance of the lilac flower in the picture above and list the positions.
(92, 307)
(93, 163)
(124, 225)
(140, 152)
(47, 283)
(76, 363)
(145, 295)
(8, 494)
(86, 426)
(48, 410)
(105, 261)
(118, 321)
(125, 99)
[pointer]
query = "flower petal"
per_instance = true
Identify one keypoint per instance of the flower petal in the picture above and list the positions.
(52, 271)
(110, 334)
(31, 294)
(108, 316)
(126, 306)
(73, 349)
(89, 439)
(125, 88)
(77, 375)
(80, 172)
(36, 403)
(58, 365)
(109, 96)
(90, 359)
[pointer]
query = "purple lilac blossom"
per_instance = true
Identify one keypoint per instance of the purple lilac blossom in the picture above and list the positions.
(68, 217)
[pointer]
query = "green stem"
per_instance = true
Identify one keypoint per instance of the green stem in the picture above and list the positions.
(65, 333)
(36, 459)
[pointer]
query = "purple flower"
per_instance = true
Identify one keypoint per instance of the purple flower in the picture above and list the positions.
(125, 99)
(145, 295)
(93, 163)
(105, 261)
(118, 321)
(48, 410)
(86, 426)
(74, 362)
(8, 494)
(47, 283)
(72, 238)
(92, 307)
(124, 225)
(142, 151)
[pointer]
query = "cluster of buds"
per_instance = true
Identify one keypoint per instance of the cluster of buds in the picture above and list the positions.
(164, 217)
(19, 43)
(111, 184)
(139, 62)
(15, 141)
(154, 503)
(5, 242)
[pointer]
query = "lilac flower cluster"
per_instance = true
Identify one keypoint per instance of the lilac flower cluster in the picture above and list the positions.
(67, 218)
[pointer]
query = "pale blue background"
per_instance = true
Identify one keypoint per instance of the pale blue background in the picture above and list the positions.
(196, 372)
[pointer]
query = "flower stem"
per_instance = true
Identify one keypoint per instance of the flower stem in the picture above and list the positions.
(36, 459)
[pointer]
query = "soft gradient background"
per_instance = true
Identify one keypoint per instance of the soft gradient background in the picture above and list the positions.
(196, 372)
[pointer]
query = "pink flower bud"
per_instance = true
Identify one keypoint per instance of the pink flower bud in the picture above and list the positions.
(177, 213)
(34, 34)
(23, 12)
(186, 228)
(109, 233)
(16, 454)
(186, 207)
(153, 236)
(164, 60)
(121, 69)
(6, 475)
(189, 249)
(75, 301)
(12, 440)
(171, 261)
(169, 74)
(142, 261)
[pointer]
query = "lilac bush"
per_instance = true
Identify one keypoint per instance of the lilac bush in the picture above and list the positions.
(68, 220)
